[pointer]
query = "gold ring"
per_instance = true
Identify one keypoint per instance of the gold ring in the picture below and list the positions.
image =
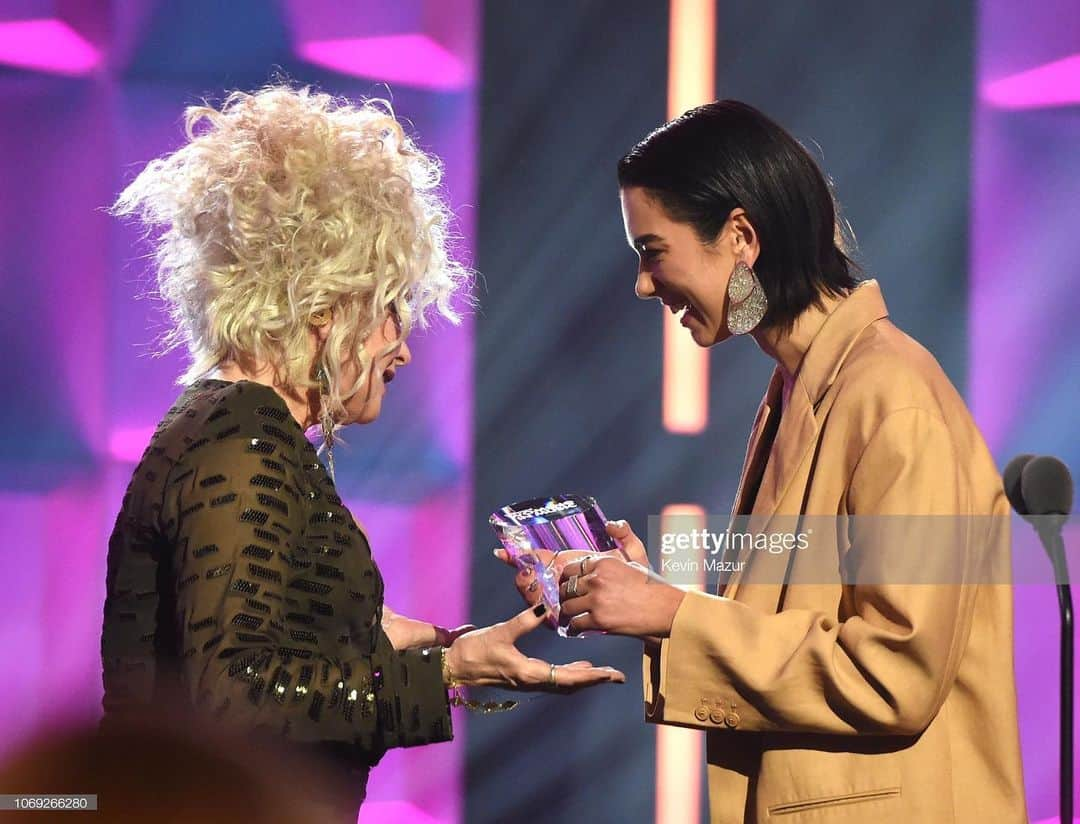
(571, 587)
(584, 561)
(551, 677)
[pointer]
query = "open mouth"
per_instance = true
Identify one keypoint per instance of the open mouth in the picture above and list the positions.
(678, 306)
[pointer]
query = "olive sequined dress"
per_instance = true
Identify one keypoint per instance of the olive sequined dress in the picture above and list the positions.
(237, 578)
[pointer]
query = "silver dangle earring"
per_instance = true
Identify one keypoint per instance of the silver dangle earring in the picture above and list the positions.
(326, 420)
(746, 300)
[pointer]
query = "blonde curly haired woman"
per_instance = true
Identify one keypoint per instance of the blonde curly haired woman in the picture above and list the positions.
(299, 239)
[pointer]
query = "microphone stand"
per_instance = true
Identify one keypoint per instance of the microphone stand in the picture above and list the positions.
(1055, 546)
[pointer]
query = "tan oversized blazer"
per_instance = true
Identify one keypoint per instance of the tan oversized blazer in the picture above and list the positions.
(868, 703)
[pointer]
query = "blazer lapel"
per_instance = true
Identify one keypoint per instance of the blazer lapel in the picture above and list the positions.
(794, 440)
(757, 454)
(797, 434)
(756, 451)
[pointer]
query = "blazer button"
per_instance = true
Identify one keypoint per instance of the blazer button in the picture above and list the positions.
(716, 716)
(701, 714)
(732, 719)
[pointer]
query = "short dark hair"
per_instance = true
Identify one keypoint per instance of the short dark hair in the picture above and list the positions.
(728, 154)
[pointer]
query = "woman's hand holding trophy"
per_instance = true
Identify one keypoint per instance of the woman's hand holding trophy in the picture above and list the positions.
(606, 587)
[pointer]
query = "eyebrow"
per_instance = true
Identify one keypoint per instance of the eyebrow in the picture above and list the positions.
(641, 240)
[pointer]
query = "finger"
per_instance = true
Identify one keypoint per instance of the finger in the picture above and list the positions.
(573, 568)
(526, 621)
(579, 623)
(541, 558)
(577, 664)
(632, 547)
(573, 606)
(619, 530)
(525, 561)
(569, 679)
(576, 604)
(581, 588)
(536, 674)
(568, 556)
(526, 585)
(578, 613)
(524, 571)
(589, 565)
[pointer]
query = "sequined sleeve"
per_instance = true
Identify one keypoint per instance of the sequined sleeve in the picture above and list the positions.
(258, 639)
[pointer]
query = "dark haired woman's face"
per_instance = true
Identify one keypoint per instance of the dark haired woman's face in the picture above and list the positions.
(688, 276)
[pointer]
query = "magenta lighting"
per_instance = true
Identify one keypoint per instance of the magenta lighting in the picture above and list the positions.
(127, 445)
(1052, 84)
(46, 45)
(400, 811)
(402, 59)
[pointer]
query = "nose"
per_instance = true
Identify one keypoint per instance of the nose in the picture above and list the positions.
(404, 354)
(644, 287)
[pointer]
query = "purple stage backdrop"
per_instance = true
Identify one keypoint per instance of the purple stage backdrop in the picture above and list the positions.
(90, 92)
(1024, 303)
(92, 89)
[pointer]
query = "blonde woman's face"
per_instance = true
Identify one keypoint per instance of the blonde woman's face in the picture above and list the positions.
(365, 405)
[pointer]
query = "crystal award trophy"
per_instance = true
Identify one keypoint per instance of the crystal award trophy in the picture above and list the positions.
(558, 524)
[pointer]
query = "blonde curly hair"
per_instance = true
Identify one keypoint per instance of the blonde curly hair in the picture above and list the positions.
(291, 202)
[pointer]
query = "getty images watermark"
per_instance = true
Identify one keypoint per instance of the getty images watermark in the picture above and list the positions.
(699, 549)
(853, 549)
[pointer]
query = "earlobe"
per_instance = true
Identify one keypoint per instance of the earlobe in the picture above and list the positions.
(320, 324)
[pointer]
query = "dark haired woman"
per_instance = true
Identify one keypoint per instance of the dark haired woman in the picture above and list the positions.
(825, 701)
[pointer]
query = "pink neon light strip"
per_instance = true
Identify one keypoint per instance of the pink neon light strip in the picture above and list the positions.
(1046, 86)
(691, 82)
(46, 45)
(679, 752)
(407, 59)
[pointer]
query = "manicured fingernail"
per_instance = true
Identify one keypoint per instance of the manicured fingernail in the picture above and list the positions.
(496, 552)
(540, 609)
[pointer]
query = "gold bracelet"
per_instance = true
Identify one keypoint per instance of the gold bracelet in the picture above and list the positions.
(447, 673)
(458, 699)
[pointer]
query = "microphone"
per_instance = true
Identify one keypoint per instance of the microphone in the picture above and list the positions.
(1047, 491)
(1047, 488)
(1041, 490)
(1011, 481)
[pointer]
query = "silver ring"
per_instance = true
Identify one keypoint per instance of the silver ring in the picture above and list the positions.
(571, 586)
(551, 677)
(584, 561)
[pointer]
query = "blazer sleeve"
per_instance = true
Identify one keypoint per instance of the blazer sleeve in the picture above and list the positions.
(884, 668)
(248, 656)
